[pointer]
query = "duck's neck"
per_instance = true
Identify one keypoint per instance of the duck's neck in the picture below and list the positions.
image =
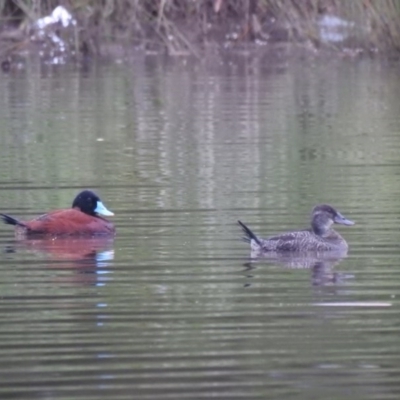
(321, 230)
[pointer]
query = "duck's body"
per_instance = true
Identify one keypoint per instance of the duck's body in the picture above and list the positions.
(305, 240)
(320, 237)
(82, 219)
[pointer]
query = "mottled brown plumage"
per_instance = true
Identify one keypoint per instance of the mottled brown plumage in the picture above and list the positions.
(319, 237)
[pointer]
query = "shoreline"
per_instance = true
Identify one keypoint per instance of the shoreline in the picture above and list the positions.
(64, 36)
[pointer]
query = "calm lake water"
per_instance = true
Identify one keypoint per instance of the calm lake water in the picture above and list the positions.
(172, 308)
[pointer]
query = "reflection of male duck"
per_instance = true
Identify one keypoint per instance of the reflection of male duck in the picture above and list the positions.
(319, 237)
(88, 258)
(79, 251)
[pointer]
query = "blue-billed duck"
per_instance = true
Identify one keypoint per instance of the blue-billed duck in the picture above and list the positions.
(82, 219)
(320, 237)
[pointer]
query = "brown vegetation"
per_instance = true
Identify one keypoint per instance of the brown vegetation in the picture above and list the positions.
(189, 26)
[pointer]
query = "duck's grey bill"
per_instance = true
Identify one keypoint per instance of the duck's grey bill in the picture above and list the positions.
(339, 219)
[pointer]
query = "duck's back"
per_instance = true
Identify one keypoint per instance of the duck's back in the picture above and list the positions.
(305, 240)
(69, 222)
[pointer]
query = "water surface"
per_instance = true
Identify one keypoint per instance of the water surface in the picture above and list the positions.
(172, 307)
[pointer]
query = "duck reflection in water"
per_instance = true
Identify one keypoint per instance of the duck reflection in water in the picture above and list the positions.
(321, 265)
(88, 258)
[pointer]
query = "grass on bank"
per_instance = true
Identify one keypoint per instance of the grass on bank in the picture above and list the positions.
(184, 26)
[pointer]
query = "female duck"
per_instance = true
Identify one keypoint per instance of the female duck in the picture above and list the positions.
(82, 219)
(320, 237)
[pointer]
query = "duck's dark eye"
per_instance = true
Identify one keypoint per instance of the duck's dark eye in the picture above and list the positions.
(331, 211)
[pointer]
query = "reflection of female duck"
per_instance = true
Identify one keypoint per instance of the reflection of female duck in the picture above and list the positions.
(82, 219)
(320, 237)
(321, 264)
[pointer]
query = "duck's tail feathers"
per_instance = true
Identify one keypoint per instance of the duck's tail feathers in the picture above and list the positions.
(249, 234)
(11, 221)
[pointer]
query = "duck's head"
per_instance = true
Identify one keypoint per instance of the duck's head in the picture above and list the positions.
(89, 203)
(324, 216)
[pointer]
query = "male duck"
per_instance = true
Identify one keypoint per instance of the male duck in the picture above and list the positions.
(82, 219)
(320, 237)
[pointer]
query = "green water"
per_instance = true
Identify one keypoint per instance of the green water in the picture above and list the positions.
(178, 150)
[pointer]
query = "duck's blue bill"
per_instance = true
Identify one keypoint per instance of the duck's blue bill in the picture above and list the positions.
(102, 210)
(339, 219)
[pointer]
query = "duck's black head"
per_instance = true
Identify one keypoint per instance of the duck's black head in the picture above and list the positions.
(89, 203)
(324, 216)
